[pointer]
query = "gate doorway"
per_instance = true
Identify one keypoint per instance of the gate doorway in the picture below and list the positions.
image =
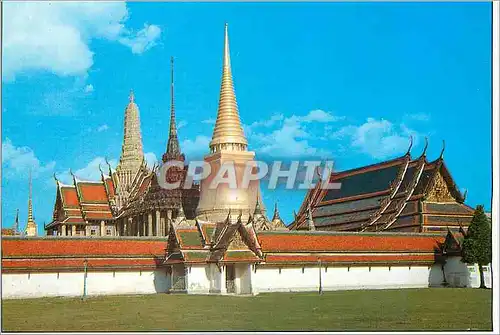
(230, 277)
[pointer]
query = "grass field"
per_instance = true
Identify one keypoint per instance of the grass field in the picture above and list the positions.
(409, 309)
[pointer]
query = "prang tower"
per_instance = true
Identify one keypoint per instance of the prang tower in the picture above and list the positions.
(228, 145)
(132, 156)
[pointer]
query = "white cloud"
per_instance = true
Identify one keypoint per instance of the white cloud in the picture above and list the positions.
(17, 161)
(88, 88)
(292, 139)
(144, 39)
(319, 115)
(181, 124)
(102, 128)
(377, 138)
(150, 159)
(198, 146)
(89, 172)
(56, 36)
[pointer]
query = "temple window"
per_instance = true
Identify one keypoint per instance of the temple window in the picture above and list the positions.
(93, 231)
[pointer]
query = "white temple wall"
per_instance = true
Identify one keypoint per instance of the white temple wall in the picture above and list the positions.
(243, 280)
(459, 274)
(68, 284)
(293, 279)
(198, 279)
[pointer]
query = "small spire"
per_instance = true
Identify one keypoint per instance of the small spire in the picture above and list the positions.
(276, 215)
(257, 210)
(16, 223)
(131, 96)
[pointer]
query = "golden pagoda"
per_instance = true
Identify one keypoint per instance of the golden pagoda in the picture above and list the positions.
(228, 146)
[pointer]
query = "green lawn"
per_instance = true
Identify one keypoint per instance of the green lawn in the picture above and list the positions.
(409, 309)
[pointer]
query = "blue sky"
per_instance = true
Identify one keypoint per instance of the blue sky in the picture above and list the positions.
(349, 82)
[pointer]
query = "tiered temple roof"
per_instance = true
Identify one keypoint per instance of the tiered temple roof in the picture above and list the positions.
(401, 194)
(84, 201)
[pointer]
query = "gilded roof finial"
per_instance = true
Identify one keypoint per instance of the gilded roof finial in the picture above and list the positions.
(442, 151)
(228, 129)
(425, 147)
(411, 145)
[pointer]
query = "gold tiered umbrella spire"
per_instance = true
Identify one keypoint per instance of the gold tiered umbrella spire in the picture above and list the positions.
(228, 132)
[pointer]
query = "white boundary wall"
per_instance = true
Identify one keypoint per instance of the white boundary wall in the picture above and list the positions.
(70, 284)
(207, 278)
(294, 279)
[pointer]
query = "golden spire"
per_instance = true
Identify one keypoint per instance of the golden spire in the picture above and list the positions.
(30, 204)
(228, 132)
(30, 225)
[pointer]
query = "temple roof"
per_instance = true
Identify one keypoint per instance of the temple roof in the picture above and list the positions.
(383, 196)
(71, 253)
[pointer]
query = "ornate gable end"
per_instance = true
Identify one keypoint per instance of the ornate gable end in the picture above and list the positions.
(58, 207)
(451, 245)
(173, 244)
(237, 242)
(439, 191)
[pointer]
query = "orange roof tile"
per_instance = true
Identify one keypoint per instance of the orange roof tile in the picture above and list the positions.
(111, 187)
(93, 192)
(98, 215)
(288, 242)
(81, 247)
(76, 263)
(348, 258)
(70, 198)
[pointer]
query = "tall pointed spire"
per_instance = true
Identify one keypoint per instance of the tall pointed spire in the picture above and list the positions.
(16, 223)
(30, 225)
(30, 204)
(228, 132)
(173, 148)
(132, 155)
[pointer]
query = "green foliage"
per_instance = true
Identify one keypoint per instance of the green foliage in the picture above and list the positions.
(476, 247)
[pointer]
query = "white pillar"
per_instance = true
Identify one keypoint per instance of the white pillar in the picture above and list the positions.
(63, 230)
(73, 230)
(162, 227)
(103, 228)
(150, 224)
(158, 223)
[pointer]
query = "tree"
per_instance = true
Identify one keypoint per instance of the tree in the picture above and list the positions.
(476, 247)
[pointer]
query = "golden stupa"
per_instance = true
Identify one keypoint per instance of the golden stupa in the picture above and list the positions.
(227, 147)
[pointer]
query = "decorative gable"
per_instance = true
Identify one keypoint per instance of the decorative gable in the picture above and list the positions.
(439, 191)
